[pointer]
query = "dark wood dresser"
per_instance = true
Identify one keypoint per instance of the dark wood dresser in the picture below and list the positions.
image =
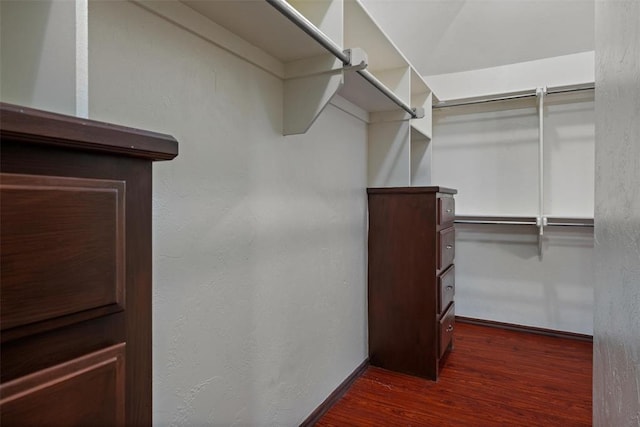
(411, 278)
(75, 285)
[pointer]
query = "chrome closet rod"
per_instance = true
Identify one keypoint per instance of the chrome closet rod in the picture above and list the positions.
(307, 26)
(392, 96)
(512, 96)
(532, 222)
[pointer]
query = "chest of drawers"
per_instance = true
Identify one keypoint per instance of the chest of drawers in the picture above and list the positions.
(75, 274)
(411, 278)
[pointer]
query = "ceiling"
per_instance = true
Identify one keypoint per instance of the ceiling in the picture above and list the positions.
(445, 36)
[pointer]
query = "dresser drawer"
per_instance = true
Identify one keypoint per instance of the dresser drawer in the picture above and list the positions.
(447, 249)
(447, 325)
(62, 247)
(446, 210)
(446, 288)
(85, 391)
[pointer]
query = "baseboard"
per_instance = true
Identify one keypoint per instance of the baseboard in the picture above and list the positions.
(522, 328)
(335, 395)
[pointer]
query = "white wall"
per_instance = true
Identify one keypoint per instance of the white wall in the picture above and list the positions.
(554, 71)
(259, 239)
(616, 370)
(38, 54)
(447, 36)
(489, 152)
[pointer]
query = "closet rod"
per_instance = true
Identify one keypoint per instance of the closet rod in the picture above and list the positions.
(513, 95)
(555, 222)
(392, 96)
(307, 26)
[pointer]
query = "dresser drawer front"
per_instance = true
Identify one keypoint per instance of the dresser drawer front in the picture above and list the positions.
(85, 391)
(62, 247)
(447, 249)
(446, 288)
(447, 325)
(446, 210)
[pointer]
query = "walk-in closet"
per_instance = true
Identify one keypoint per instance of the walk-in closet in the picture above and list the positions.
(376, 212)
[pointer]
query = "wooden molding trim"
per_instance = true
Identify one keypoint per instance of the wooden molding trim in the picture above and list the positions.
(335, 395)
(528, 329)
(33, 126)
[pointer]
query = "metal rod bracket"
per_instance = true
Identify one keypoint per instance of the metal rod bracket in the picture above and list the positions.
(358, 59)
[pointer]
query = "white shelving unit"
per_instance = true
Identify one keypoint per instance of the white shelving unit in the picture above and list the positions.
(399, 141)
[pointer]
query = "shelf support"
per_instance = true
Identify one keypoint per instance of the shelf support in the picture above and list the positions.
(345, 56)
(309, 86)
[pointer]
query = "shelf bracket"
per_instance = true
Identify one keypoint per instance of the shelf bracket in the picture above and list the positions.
(311, 83)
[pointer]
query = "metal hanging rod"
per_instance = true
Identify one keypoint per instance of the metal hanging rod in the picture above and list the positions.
(513, 96)
(551, 221)
(392, 96)
(308, 27)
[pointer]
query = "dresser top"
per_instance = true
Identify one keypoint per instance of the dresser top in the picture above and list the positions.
(42, 127)
(411, 190)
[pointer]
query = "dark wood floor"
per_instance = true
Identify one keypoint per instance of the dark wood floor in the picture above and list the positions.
(493, 377)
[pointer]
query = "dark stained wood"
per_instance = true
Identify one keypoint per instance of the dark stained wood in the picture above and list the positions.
(493, 378)
(69, 336)
(335, 395)
(446, 288)
(446, 247)
(29, 125)
(75, 229)
(447, 327)
(523, 328)
(412, 190)
(85, 391)
(446, 211)
(39, 351)
(403, 290)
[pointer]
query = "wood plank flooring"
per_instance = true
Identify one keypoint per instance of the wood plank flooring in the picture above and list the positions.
(494, 377)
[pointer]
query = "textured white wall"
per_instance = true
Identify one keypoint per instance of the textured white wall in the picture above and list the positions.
(38, 54)
(555, 71)
(446, 36)
(259, 239)
(490, 154)
(616, 372)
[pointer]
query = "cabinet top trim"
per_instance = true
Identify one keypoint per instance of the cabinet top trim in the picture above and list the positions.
(37, 126)
(411, 190)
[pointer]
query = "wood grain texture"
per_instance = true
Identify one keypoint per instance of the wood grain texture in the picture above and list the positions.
(75, 230)
(404, 258)
(335, 395)
(39, 159)
(22, 124)
(32, 353)
(85, 391)
(523, 328)
(493, 378)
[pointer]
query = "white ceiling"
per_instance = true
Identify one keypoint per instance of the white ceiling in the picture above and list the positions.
(445, 36)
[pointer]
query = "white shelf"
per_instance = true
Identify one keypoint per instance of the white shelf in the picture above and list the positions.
(399, 146)
(361, 30)
(346, 23)
(257, 22)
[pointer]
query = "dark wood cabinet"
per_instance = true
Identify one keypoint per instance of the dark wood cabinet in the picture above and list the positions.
(411, 278)
(75, 296)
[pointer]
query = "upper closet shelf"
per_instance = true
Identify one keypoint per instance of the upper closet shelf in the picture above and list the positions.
(325, 47)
